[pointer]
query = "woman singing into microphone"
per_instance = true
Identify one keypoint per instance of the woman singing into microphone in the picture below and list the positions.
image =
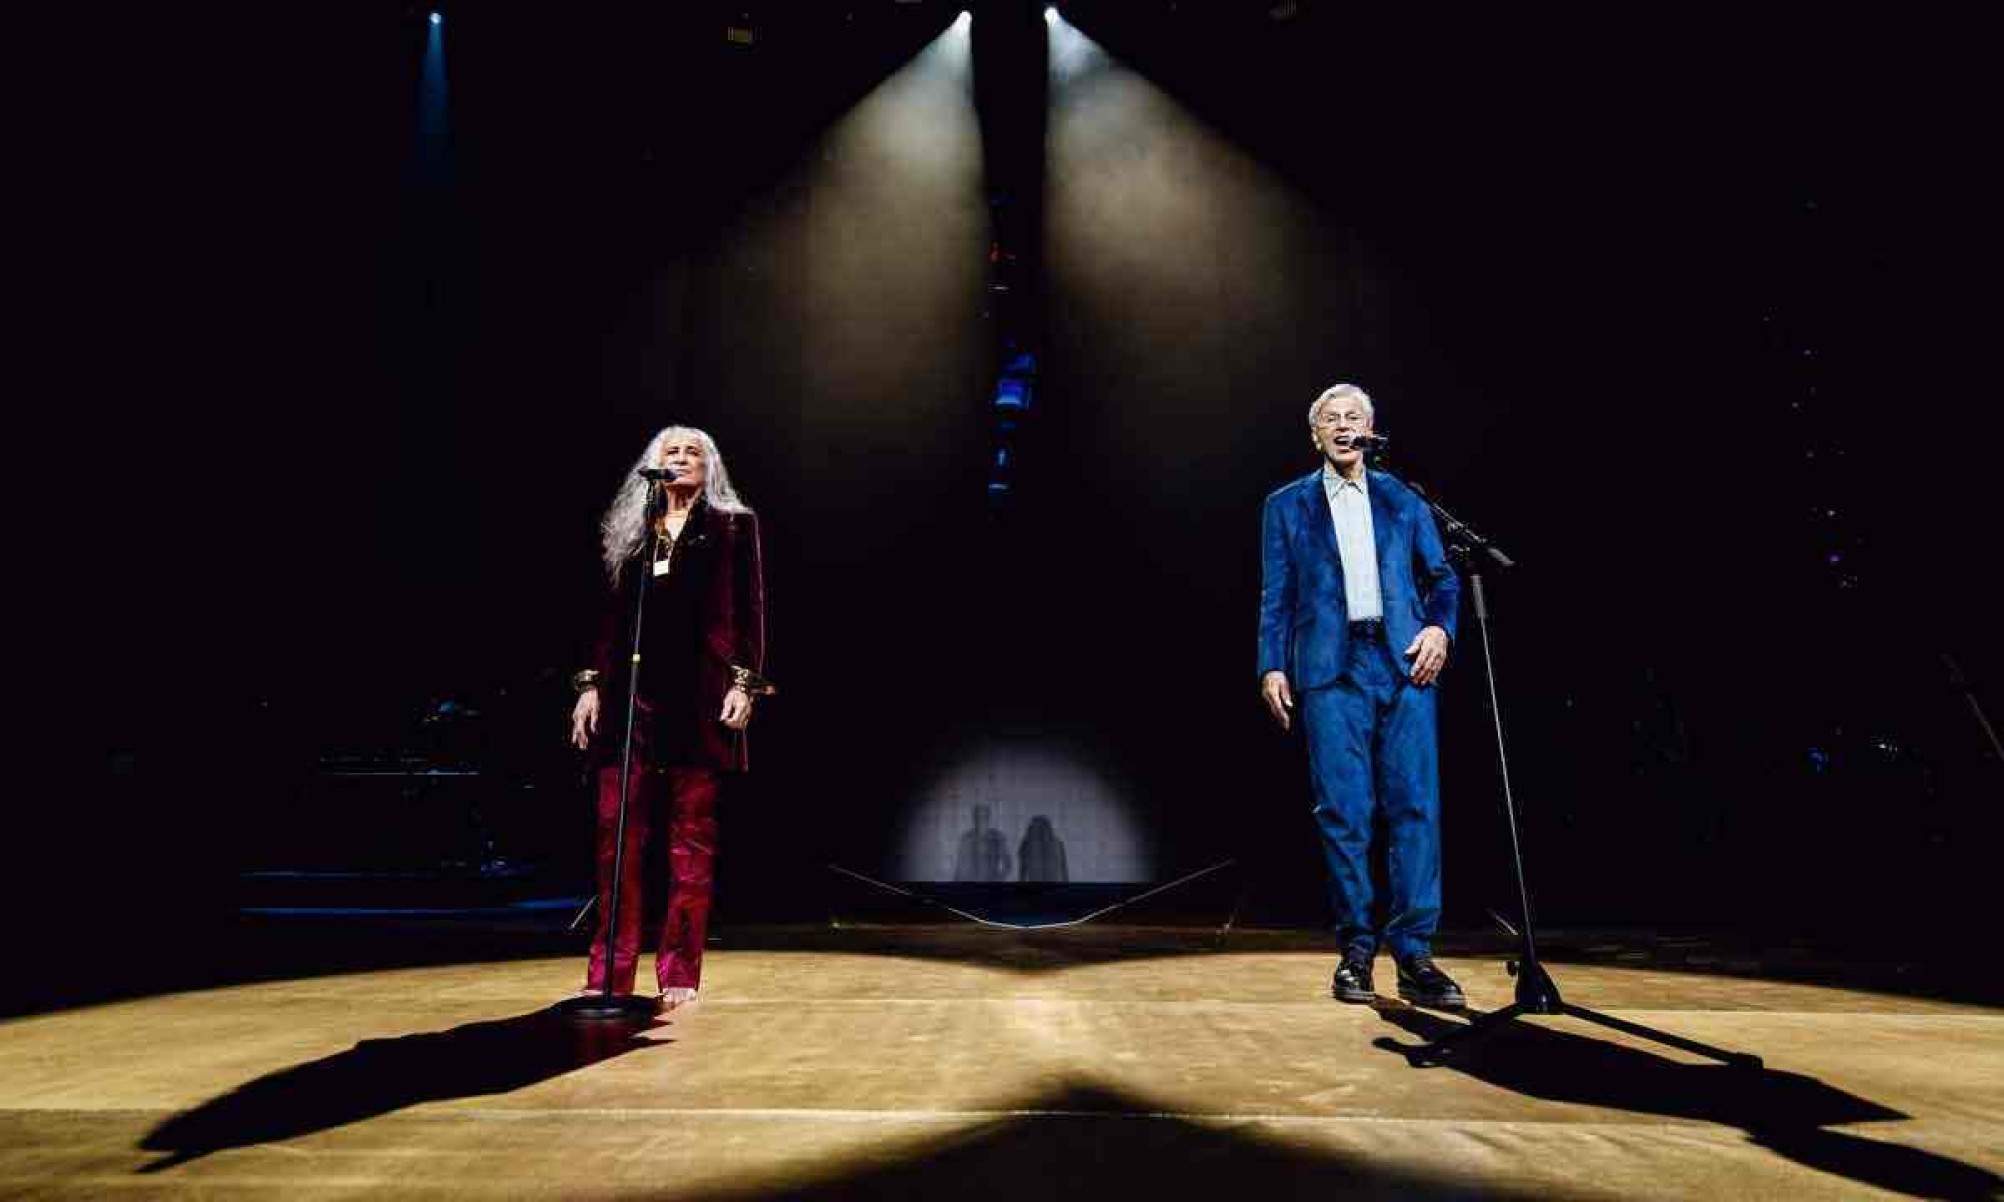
(702, 655)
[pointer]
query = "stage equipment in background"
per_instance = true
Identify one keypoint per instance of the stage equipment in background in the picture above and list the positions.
(606, 1006)
(434, 809)
(1015, 388)
(1011, 52)
(1537, 993)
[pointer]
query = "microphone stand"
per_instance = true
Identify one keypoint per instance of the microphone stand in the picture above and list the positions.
(607, 1006)
(1537, 993)
(1961, 685)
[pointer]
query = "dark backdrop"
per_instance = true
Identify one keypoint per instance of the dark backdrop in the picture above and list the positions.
(1676, 311)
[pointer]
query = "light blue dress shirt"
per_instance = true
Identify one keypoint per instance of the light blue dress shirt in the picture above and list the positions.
(1356, 542)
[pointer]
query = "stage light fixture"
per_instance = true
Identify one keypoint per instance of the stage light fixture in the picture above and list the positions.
(1050, 14)
(436, 18)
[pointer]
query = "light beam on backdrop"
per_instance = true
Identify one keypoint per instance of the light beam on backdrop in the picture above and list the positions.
(1198, 302)
(893, 235)
(831, 322)
(1198, 286)
(831, 337)
(430, 165)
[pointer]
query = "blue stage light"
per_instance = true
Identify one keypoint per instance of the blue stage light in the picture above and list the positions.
(436, 18)
(1012, 394)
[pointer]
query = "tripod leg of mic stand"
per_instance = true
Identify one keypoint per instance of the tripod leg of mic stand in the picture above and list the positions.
(1238, 903)
(1735, 1059)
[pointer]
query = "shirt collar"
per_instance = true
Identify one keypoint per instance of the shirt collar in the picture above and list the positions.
(1333, 481)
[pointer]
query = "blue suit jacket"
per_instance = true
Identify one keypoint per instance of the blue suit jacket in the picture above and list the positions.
(1303, 616)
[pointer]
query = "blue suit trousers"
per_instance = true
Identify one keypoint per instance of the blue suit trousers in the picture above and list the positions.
(1373, 758)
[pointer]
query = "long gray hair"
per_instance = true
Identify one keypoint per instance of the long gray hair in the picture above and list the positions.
(624, 527)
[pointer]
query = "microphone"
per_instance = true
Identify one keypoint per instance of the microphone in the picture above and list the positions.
(668, 474)
(1369, 442)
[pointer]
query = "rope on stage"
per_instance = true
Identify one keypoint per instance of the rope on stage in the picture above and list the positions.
(1030, 926)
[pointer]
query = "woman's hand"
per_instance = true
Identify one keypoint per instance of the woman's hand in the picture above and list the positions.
(737, 709)
(584, 718)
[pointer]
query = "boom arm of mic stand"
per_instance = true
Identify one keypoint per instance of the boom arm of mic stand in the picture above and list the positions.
(1455, 530)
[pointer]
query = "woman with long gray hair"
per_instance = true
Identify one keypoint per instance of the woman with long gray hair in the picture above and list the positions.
(700, 668)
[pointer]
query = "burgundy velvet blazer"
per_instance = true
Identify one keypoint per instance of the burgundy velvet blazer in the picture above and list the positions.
(730, 611)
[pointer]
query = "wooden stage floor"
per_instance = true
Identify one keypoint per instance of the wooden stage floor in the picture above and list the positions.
(969, 1064)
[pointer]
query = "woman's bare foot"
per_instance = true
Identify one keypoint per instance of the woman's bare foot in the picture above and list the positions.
(678, 995)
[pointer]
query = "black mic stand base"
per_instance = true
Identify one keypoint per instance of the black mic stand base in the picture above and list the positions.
(608, 1008)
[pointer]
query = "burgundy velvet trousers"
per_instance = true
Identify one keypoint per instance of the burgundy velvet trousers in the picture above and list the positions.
(691, 803)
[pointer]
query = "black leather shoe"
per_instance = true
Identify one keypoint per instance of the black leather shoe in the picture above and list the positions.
(1423, 984)
(1352, 982)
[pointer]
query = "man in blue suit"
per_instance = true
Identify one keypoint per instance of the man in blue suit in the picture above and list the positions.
(1356, 613)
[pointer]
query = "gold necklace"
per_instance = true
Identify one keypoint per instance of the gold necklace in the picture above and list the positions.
(664, 543)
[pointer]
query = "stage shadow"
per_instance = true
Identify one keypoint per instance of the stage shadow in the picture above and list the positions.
(378, 1076)
(1090, 1142)
(1035, 951)
(1787, 1113)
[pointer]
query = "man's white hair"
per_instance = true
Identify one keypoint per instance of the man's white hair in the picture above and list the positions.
(624, 526)
(1342, 392)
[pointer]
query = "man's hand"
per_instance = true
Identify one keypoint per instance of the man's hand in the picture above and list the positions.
(1428, 653)
(737, 709)
(584, 718)
(1278, 697)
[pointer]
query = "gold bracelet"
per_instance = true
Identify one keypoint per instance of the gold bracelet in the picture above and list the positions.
(751, 682)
